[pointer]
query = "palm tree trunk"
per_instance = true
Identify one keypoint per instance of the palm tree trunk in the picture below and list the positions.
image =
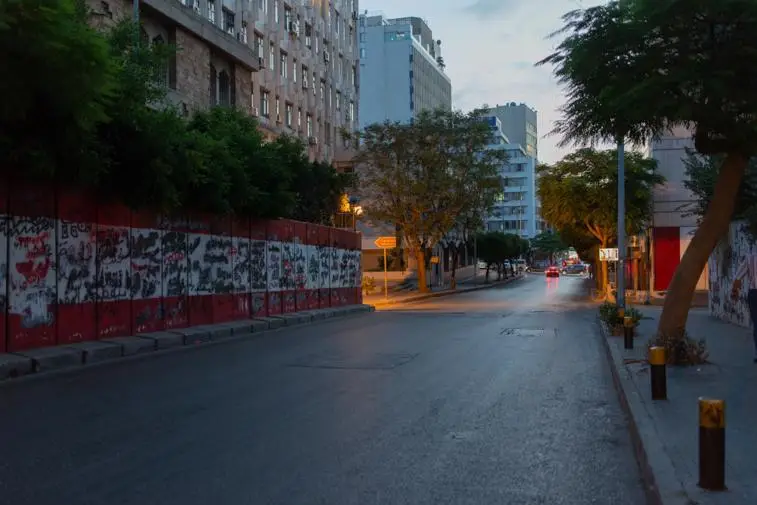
(714, 225)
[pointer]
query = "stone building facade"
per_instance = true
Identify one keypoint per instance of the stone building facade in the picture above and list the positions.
(291, 63)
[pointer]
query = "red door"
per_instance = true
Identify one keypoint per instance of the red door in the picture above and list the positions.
(667, 255)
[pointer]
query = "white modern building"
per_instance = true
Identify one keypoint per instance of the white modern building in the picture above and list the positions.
(519, 125)
(401, 70)
(517, 207)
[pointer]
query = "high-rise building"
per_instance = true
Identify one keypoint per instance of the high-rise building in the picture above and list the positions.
(401, 69)
(291, 63)
(308, 83)
(517, 207)
(519, 125)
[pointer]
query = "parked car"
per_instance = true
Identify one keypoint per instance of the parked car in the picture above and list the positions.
(482, 265)
(552, 271)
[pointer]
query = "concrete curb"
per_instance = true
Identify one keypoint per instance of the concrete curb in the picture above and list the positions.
(662, 486)
(438, 294)
(48, 360)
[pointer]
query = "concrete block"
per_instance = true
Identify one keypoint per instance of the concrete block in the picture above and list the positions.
(95, 351)
(195, 334)
(133, 345)
(272, 322)
(163, 339)
(240, 327)
(259, 326)
(317, 315)
(292, 319)
(220, 331)
(46, 359)
(14, 365)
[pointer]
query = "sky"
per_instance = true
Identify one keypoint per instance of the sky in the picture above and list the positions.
(490, 47)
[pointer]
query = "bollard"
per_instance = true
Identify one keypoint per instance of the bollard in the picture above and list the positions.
(712, 444)
(628, 332)
(657, 373)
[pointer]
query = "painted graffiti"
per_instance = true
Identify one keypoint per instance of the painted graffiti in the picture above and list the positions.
(300, 265)
(313, 266)
(324, 255)
(32, 272)
(722, 266)
(113, 263)
(241, 265)
(274, 267)
(175, 266)
(287, 266)
(258, 272)
(146, 263)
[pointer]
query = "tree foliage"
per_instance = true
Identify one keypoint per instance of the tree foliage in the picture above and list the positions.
(702, 173)
(549, 243)
(104, 123)
(495, 247)
(634, 68)
(421, 176)
(580, 190)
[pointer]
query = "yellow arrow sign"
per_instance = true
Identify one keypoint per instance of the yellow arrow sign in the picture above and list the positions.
(386, 242)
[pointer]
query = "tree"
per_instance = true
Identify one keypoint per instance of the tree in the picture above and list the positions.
(579, 191)
(702, 173)
(57, 83)
(636, 67)
(493, 249)
(548, 243)
(420, 175)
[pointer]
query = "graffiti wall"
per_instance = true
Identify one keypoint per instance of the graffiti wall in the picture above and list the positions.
(725, 260)
(73, 271)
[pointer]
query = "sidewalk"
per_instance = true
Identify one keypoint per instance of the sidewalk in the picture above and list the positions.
(378, 300)
(666, 433)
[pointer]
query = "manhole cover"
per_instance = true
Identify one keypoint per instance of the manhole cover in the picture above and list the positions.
(522, 332)
(378, 361)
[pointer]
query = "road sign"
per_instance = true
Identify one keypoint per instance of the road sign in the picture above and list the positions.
(434, 259)
(608, 254)
(386, 242)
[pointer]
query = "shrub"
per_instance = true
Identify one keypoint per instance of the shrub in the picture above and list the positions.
(635, 315)
(681, 349)
(608, 312)
(368, 285)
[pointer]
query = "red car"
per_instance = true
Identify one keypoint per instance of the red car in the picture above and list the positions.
(552, 272)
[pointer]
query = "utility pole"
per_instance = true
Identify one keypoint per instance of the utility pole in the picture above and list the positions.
(620, 269)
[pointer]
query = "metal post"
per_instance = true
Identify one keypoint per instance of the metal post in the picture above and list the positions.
(135, 7)
(621, 282)
(475, 255)
(628, 332)
(657, 374)
(386, 280)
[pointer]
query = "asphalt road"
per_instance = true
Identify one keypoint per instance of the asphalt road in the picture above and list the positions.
(501, 396)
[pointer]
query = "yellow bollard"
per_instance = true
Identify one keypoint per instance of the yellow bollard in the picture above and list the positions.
(658, 373)
(712, 444)
(628, 332)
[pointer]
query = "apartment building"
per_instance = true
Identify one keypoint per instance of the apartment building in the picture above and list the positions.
(517, 207)
(214, 63)
(402, 69)
(519, 125)
(308, 80)
(291, 63)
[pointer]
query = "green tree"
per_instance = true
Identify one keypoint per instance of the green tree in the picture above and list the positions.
(579, 191)
(419, 176)
(702, 173)
(493, 249)
(548, 243)
(57, 81)
(636, 67)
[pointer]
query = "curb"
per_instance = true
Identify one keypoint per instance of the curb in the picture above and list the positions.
(418, 298)
(46, 361)
(661, 485)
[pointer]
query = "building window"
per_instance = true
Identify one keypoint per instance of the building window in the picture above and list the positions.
(228, 21)
(278, 109)
(276, 11)
(265, 103)
(354, 76)
(362, 53)
(299, 119)
(351, 112)
(272, 57)
(259, 46)
(323, 92)
(341, 66)
(308, 36)
(212, 11)
(309, 125)
(313, 83)
(338, 100)
(294, 71)
(289, 113)
(288, 24)
(243, 32)
(283, 64)
(263, 5)
(224, 88)
(163, 74)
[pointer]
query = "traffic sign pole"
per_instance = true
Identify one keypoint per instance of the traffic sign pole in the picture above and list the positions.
(386, 280)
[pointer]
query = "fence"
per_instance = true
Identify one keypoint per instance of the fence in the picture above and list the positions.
(72, 269)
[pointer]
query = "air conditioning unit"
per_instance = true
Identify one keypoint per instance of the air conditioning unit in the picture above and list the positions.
(255, 111)
(305, 82)
(230, 30)
(294, 28)
(313, 141)
(326, 56)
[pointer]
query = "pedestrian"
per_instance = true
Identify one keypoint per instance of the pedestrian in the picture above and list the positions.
(748, 270)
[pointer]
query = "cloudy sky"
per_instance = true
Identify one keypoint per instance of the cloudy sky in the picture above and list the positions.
(490, 47)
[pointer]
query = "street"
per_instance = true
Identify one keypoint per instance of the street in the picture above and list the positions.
(501, 396)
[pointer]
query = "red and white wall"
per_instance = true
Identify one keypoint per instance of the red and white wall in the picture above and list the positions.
(672, 228)
(73, 270)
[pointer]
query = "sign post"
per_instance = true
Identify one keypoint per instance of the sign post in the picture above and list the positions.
(386, 243)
